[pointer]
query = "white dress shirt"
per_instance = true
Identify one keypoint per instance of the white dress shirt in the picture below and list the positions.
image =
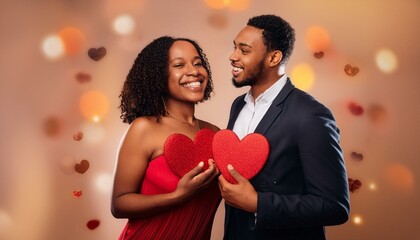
(254, 110)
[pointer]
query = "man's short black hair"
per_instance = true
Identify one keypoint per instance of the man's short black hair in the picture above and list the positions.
(277, 34)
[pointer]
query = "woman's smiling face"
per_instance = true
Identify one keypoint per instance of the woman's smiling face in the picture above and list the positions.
(187, 76)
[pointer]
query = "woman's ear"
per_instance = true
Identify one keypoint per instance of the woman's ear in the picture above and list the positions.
(275, 58)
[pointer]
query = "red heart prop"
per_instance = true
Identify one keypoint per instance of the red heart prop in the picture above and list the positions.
(182, 154)
(247, 156)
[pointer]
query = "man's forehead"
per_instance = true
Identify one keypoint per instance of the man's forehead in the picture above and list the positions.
(248, 36)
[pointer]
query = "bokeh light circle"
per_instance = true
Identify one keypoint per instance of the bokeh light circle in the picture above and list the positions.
(73, 40)
(5, 221)
(94, 105)
(303, 76)
(373, 187)
(103, 182)
(93, 133)
(386, 60)
(399, 177)
(53, 47)
(124, 24)
(317, 39)
(66, 165)
(217, 4)
(357, 220)
(239, 5)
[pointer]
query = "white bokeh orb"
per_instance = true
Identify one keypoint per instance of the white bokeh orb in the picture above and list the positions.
(53, 47)
(124, 24)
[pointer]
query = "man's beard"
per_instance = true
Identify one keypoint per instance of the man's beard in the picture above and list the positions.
(251, 80)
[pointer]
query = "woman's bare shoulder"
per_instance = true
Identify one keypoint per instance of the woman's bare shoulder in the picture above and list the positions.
(142, 126)
(204, 124)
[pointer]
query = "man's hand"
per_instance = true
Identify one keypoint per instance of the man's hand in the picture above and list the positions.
(241, 195)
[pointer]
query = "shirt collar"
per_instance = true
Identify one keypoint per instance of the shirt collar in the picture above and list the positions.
(268, 95)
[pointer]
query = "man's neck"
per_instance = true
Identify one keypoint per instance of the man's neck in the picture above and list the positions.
(267, 81)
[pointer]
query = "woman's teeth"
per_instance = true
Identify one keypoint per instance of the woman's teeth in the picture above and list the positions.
(192, 84)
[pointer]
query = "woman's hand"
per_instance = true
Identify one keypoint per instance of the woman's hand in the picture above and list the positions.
(195, 179)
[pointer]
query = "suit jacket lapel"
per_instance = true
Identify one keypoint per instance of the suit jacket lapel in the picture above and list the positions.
(237, 106)
(275, 108)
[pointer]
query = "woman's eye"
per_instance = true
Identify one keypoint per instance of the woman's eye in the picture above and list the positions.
(198, 64)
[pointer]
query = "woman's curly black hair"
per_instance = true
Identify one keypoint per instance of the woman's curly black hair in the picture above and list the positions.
(277, 34)
(146, 84)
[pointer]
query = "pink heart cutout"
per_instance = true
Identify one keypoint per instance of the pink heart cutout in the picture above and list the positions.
(182, 154)
(247, 156)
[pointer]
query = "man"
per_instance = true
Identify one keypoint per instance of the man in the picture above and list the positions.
(303, 185)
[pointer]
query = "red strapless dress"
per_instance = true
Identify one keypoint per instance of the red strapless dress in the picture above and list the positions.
(190, 220)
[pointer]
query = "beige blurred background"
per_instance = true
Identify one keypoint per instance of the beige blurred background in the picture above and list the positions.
(44, 102)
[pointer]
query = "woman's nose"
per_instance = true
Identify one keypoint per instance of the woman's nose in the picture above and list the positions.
(192, 70)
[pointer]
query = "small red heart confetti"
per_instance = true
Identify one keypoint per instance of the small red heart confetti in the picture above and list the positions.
(247, 156)
(97, 54)
(319, 55)
(52, 127)
(83, 77)
(354, 185)
(93, 224)
(77, 194)
(355, 109)
(357, 156)
(82, 167)
(78, 136)
(182, 154)
(351, 71)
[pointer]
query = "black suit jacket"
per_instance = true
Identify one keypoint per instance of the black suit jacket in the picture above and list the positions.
(303, 185)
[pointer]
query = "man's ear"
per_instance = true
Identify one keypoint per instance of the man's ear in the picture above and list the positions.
(275, 58)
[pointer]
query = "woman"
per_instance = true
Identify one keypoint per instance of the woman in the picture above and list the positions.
(167, 79)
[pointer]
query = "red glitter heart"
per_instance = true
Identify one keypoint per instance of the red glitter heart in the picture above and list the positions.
(355, 109)
(357, 156)
(83, 77)
(93, 224)
(53, 126)
(354, 185)
(97, 54)
(78, 136)
(350, 70)
(319, 55)
(182, 154)
(247, 156)
(77, 194)
(82, 167)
